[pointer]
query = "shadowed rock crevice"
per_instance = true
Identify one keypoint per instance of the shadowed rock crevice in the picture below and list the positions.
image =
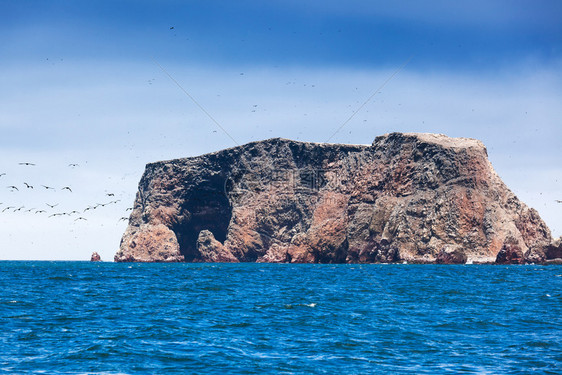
(206, 208)
(417, 198)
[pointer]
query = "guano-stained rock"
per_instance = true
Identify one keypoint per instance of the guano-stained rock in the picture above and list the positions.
(419, 198)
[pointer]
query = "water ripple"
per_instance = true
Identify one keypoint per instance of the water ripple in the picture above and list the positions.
(81, 317)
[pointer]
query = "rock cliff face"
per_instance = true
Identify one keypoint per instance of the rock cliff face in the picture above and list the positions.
(407, 197)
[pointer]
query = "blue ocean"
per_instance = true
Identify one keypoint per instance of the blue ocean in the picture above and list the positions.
(117, 318)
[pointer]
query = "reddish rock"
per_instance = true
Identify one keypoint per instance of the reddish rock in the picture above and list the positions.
(419, 198)
(511, 253)
(452, 255)
(211, 250)
(554, 250)
(95, 257)
(150, 243)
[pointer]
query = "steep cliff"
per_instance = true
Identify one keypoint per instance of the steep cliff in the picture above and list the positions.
(406, 197)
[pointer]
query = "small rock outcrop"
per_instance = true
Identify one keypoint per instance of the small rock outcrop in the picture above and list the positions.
(211, 250)
(510, 253)
(416, 198)
(95, 257)
(553, 253)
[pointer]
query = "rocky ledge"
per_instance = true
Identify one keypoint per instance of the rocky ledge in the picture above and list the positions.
(417, 198)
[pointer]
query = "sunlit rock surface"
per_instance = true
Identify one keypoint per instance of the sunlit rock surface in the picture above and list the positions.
(420, 198)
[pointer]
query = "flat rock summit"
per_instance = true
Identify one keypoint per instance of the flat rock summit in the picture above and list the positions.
(417, 198)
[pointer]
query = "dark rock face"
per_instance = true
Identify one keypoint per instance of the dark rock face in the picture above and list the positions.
(452, 255)
(95, 257)
(419, 198)
(553, 252)
(510, 253)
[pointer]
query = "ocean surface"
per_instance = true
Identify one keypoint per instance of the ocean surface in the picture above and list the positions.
(109, 318)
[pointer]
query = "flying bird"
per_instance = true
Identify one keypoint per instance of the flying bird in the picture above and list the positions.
(73, 165)
(48, 187)
(558, 201)
(129, 209)
(67, 188)
(13, 187)
(40, 211)
(28, 185)
(80, 218)
(52, 205)
(110, 194)
(124, 219)
(2, 174)
(7, 208)
(30, 164)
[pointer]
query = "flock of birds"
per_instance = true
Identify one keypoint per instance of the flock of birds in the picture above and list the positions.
(77, 214)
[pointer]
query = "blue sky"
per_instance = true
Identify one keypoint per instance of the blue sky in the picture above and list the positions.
(81, 83)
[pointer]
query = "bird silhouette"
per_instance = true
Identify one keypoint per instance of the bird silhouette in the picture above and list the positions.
(110, 194)
(52, 205)
(30, 164)
(2, 174)
(40, 211)
(7, 208)
(80, 218)
(48, 187)
(67, 188)
(558, 201)
(73, 165)
(123, 219)
(13, 187)
(28, 185)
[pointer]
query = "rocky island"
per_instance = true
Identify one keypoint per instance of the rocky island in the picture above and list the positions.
(417, 198)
